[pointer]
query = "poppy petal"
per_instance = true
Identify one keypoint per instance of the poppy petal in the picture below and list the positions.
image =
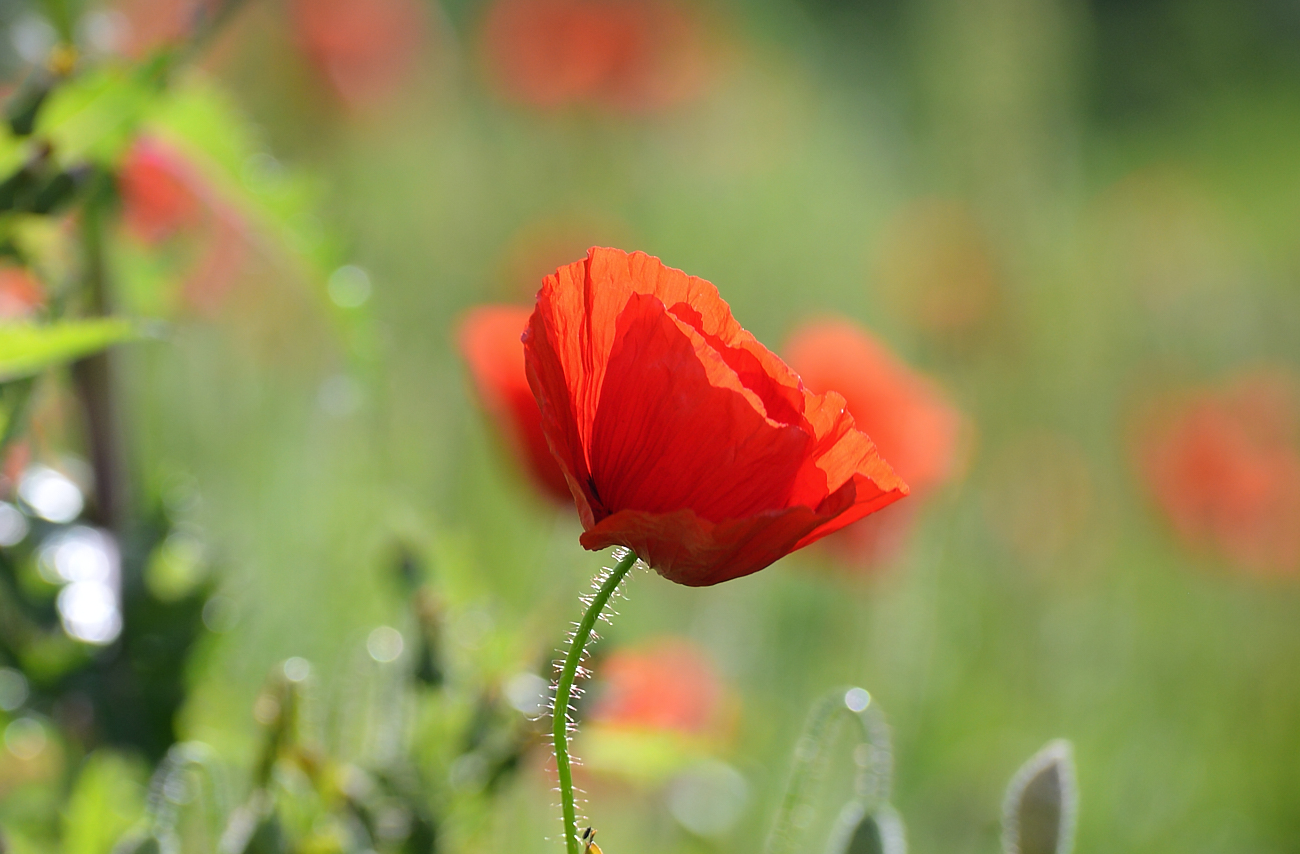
(682, 437)
(675, 428)
(489, 338)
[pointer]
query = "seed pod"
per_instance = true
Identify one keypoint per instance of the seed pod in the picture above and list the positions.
(868, 831)
(1039, 810)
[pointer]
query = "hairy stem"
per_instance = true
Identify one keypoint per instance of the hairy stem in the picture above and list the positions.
(564, 689)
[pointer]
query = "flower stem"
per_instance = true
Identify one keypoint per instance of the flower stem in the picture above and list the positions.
(564, 688)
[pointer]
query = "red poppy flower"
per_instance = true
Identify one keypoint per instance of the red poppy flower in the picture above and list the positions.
(165, 196)
(906, 415)
(668, 684)
(160, 193)
(682, 437)
(1224, 466)
(365, 49)
(489, 340)
(629, 54)
(20, 293)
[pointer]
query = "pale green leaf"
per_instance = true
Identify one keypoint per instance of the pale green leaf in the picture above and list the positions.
(27, 349)
(96, 115)
(107, 799)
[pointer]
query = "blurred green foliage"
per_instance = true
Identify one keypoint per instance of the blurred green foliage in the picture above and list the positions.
(1128, 172)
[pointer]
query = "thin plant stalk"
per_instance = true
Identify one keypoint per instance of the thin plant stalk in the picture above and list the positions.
(812, 755)
(94, 374)
(564, 689)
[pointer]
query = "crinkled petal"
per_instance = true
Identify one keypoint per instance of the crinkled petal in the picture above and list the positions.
(680, 435)
(676, 429)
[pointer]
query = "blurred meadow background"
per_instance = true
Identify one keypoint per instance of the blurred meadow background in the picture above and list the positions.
(1074, 223)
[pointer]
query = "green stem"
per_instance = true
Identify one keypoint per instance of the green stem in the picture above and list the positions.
(564, 688)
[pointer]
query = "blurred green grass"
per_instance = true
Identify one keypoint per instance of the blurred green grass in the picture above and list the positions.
(1030, 604)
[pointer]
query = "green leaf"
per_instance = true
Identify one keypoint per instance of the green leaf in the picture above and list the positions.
(279, 201)
(1039, 811)
(273, 200)
(107, 800)
(27, 349)
(96, 115)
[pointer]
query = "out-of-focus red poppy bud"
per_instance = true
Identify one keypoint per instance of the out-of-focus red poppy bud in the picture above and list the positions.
(1224, 465)
(12, 466)
(164, 195)
(668, 684)
(489, 340)
(679, 434)
(161, 194)
(936, 267)
(915, 427)
(632, 55)
(365, 49)
(657, 709)
(664, 62)
(20, 293)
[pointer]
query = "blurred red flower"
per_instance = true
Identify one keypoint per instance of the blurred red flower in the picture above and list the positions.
(161, 194)
(20, 293)
(682, 437)
(908, 417)
(165, 196)
(1224, 466)
(489, 340)
(626, 54)
(668, 684)
(12, 465)
(365, 49)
